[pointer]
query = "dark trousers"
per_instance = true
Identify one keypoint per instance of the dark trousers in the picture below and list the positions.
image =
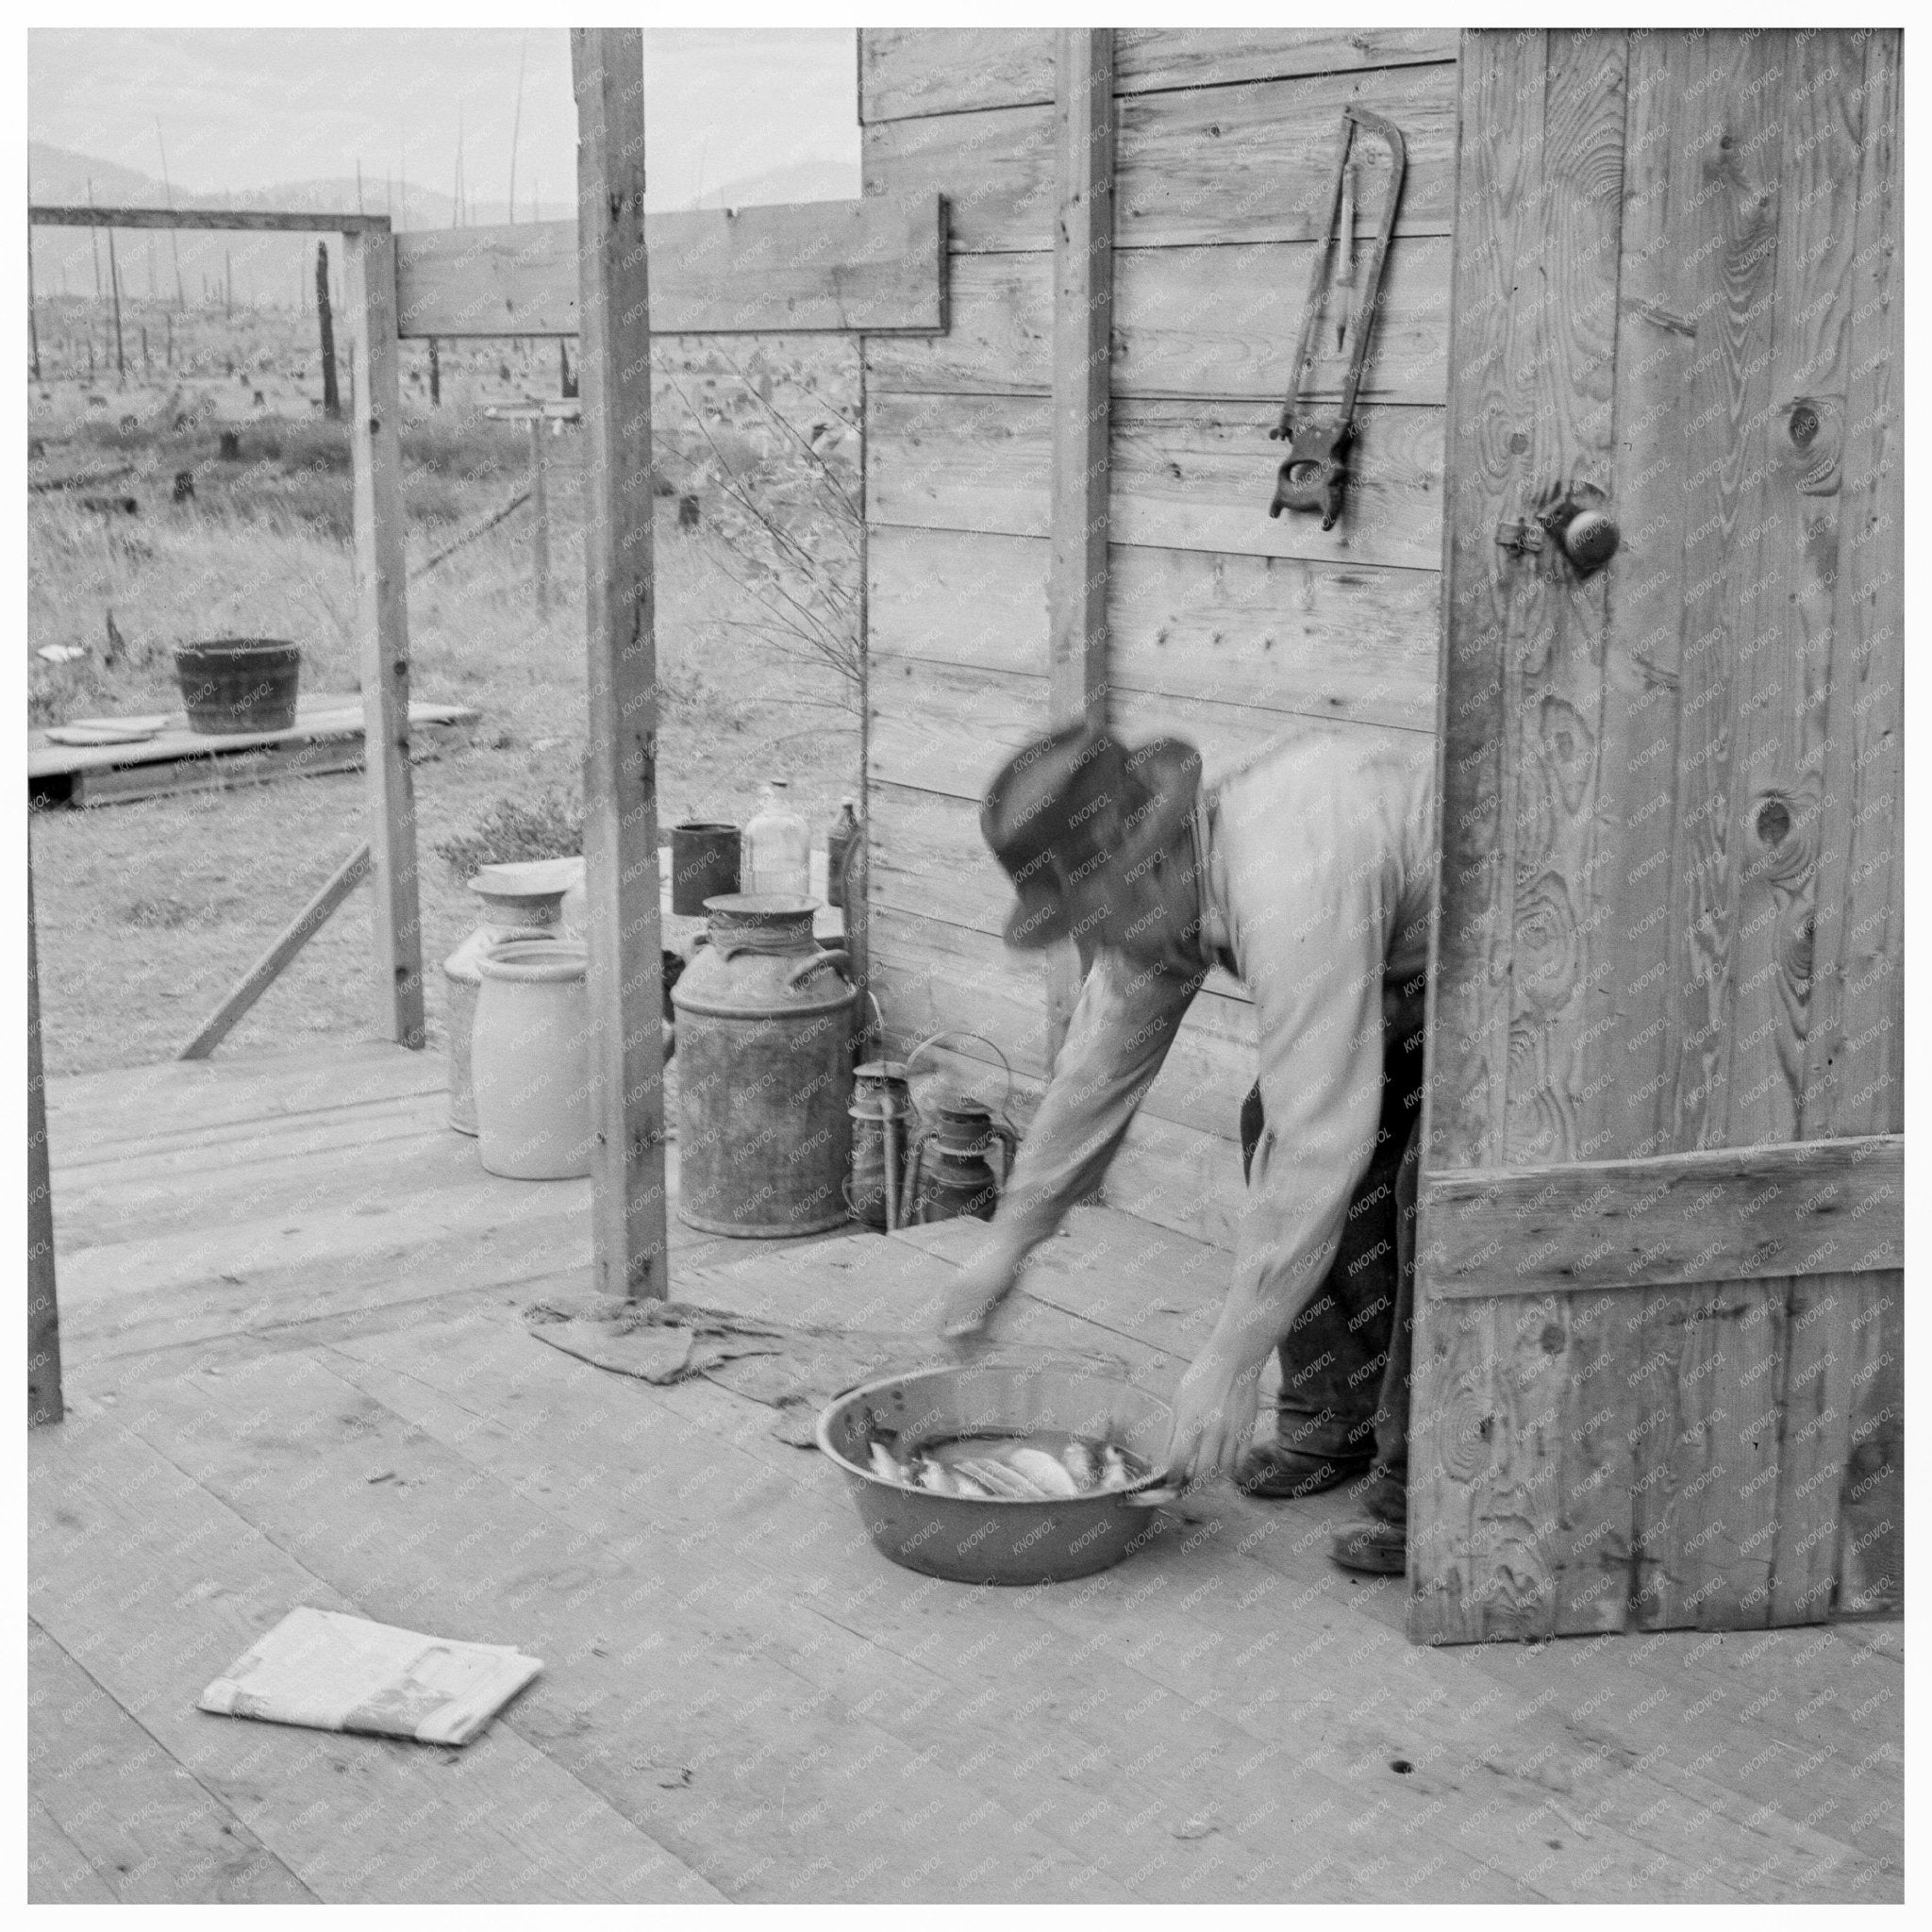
(1344, 1365)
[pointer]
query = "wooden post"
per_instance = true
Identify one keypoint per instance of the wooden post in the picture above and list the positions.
(539, 512)
(43, 1403)
(114, 284)
(331, 396)
(1082, 352)
(33, 321)
(383, 619)
(434, 375)
(856, 901)
(619, 763)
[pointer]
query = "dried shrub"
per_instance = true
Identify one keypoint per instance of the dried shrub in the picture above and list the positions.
(551, 826)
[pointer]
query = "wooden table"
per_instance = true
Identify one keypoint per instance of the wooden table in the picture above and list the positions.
(327, 736)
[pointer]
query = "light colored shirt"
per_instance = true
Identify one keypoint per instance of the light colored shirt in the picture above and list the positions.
(1318, 862)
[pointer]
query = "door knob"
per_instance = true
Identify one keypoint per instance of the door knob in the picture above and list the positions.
(1589, 537)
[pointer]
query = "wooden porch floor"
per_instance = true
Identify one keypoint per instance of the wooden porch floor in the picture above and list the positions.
(297, 1373)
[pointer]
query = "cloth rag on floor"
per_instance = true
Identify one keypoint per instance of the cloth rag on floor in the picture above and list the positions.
(332, 1671)
(794, 1369)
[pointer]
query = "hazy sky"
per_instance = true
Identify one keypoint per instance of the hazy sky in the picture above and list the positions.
(245, 109)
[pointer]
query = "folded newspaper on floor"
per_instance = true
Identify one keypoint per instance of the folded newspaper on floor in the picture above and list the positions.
(338, 1672)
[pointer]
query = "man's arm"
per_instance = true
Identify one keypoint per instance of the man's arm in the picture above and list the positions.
(1122, 1029)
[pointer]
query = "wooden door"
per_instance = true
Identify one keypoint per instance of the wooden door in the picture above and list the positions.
(1659, 1324)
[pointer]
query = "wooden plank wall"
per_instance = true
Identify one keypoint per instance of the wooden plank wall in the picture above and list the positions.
(1225, 625)
(1670, 910)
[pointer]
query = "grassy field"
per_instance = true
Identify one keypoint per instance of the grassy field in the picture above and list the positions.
(148, 912)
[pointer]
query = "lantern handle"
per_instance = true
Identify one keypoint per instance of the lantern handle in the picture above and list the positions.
(1006, 1103)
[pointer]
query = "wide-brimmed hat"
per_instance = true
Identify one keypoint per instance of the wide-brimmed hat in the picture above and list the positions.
(1076, 804)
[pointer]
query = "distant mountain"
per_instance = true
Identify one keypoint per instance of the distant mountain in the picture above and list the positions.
(54, 175)
(814, 178)
(276, 267)
(58, 176)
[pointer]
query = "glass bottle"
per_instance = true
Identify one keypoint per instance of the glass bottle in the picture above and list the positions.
(778, 847)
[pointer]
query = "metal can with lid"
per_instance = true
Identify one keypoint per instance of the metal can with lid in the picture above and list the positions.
(764, 1054)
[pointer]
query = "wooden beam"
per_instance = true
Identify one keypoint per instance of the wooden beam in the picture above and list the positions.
(267, 969)
(876, 265)
(1725, 1214)
(44, 1403)
(1082, 354)
(383, 621)
(621, 758)
(268, 221)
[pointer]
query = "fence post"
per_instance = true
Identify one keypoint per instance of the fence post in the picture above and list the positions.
(539, 511)
(383, 620)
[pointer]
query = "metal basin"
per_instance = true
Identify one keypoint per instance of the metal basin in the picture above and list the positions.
(968, 1539)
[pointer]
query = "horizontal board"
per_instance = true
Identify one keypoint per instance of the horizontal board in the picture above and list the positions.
(1186, 476)
(929, 857)
(910, 71)
(1186, 322)
(1293, 635)
(879, 263)
(1724, 1214)
(941, 728)
(938, 977)
(938, 728)
(1252, 163)
(262, 221)
(126, 1111)
(1178, 1177)
(1000, 989)
(933, 978)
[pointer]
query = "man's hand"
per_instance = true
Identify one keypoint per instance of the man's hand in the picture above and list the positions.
(1214, 1412)
(975, 1293)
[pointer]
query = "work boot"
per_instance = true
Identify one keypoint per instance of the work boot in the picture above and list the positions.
(1383, 1494)
(1274, 1471)
(1376, 1548)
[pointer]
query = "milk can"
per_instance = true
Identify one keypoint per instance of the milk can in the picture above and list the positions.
(764, 1048)
(532, 1055)
(521, 900)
